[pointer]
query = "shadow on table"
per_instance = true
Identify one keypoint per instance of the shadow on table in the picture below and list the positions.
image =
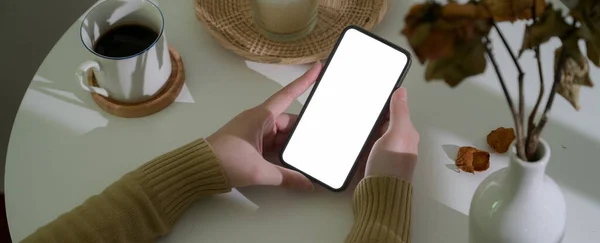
(63, 90)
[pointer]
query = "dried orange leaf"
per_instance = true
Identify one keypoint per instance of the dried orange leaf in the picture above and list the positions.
(435, 31)
(437, 45)
(455, 10)
(467, 61)
(500, 139)
(511, 10)
(470, 159)
(416, 9)
(481, 160)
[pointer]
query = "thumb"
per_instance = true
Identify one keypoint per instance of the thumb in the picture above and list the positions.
(295, 180)
(401, 136)
(399, 111)
(274, 175)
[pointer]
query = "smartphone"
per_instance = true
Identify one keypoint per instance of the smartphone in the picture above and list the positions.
(347, 102)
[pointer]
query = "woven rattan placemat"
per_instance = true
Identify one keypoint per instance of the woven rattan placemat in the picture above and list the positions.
(230, 23)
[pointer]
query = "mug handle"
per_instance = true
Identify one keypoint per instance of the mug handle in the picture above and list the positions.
(81, 75)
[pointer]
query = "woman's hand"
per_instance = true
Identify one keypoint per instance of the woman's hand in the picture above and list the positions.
(395, 153)
(241, 143)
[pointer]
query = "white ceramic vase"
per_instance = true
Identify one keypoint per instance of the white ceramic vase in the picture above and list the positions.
(518, 204)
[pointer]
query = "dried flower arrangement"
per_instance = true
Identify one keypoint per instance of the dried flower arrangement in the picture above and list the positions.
(453, 40)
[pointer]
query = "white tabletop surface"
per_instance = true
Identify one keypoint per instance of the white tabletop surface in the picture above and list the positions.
(63, 149)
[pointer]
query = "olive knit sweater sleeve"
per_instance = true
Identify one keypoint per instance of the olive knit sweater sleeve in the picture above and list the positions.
(145, 203)
(382, 211)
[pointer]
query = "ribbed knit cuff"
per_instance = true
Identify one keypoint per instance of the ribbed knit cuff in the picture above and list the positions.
(183, 175)
(382, 210)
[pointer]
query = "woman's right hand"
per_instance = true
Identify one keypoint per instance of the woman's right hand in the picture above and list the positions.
(395, 153)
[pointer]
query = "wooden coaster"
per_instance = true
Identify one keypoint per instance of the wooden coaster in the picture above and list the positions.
(231, 24)
(161, 100)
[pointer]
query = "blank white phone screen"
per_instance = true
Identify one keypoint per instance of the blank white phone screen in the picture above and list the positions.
(344, 108)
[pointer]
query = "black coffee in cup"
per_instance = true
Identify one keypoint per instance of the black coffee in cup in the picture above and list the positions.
(125, 40)
(115, 30)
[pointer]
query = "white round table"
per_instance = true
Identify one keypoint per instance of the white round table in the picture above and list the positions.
(63, 148)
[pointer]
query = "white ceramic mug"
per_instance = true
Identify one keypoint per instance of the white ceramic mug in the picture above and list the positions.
(128, 79)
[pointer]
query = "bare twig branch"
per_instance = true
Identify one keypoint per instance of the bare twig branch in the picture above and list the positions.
(558, 69)
(521, 113)
(515, 115)
(531, 146)
(557, 73)
(519, 70)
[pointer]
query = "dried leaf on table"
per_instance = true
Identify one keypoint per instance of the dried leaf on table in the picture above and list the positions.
(470, 159)
(512, 10)
(550, 24)
(575, 73)
(501, 139)
(468, 60)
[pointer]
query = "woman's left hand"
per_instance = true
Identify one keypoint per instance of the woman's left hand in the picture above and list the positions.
(241, 143)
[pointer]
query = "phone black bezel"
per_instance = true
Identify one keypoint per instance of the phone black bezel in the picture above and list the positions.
(379, 119)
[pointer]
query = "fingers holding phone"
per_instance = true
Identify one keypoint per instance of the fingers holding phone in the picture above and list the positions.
(354, 87)
(241, 144)
(395, 153)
